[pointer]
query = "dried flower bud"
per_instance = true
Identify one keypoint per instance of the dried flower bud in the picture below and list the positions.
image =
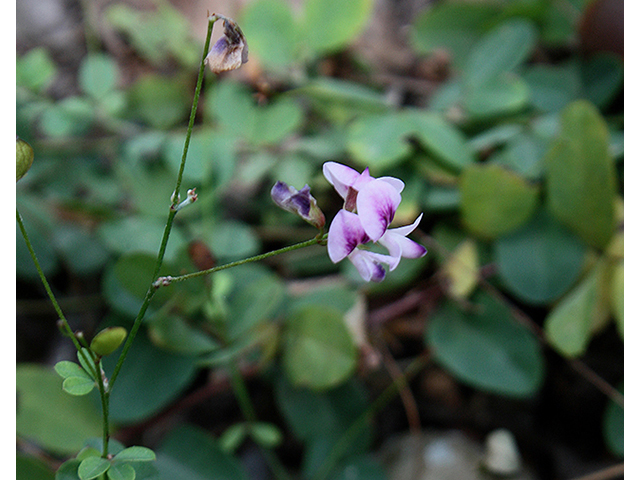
(230, 51)
(299, 202)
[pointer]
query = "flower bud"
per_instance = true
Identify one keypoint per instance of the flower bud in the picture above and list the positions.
(24, 158)
(300, 202)
(230, 51)
(108, 340)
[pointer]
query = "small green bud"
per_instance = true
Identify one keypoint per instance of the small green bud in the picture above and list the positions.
(24, 158)
(108, 340)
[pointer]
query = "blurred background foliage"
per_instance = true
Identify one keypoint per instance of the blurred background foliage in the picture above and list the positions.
(504, 119)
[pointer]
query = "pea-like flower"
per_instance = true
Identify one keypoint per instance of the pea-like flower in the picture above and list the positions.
(370, 205)
(300, 202)
(230, 51)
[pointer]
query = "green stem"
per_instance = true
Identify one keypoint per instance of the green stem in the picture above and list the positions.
(69, 331)
(318, 240)
(172, 213)
(242, 394)
(356, 427)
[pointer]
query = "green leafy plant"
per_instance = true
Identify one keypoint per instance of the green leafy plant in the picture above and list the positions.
(515, 160)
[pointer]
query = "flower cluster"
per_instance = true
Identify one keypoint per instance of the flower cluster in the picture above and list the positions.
(369, 207)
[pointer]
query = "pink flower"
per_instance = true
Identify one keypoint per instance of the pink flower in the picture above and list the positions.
(375, 199)
(370, 205)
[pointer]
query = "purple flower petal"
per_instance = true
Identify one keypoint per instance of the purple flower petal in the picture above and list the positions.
(368, 268)
(345, 234)
(377, 203)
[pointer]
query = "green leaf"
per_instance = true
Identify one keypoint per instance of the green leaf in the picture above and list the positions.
(68, 369)
(276, 120)
(78, 385)
(230, 104)
(136, 454)
(441, 139)
(134, 275)
(97, 75)
(188, 453)
(569, 326)
(524, 154)
(150, 379)
(486, 347)
(31, 468)
(87, 452)
(265, 434)
(382, 141)
(254, 303)
(92, 467)
(68, 470)
(80, 249)
(341, 100)
(319, 351)
(175, 334)
(69, 117)
(581, 176)
(324, 417)
(35, 70)
(540, 261)
(231, 240)
(500, 51)
(271, 32)
(233, 437)
(379, 141)
(328, 25)
(495, 201)
(53, 419)
(501, 95)
(552, 87)
(614, 427)
(454, 26)
(85, 360)
(140, 234)
(159, 101)
(121, 471)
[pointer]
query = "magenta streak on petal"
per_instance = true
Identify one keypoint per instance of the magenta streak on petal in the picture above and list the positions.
(345, 234)
(377, 204)
(367, 265)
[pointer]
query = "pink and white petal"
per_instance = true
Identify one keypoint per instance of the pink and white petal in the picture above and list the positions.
(377, 203)
(340, 176)
(390, 242)
(400, 246)
(394, 182)
(367, 267)
(345, 234)
(364, 178)
(407, 229)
